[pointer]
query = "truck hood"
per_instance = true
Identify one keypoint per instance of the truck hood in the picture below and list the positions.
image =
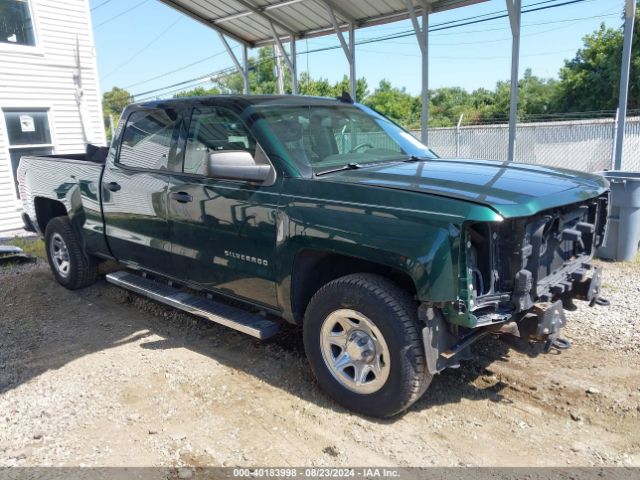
(511, 189)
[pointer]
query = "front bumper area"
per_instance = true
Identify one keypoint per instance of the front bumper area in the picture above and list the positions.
(532, 331)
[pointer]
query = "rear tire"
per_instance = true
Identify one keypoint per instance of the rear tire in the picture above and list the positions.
(364, 344)
(72, 267)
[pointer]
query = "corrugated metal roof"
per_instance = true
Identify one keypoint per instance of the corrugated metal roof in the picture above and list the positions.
(248, 21)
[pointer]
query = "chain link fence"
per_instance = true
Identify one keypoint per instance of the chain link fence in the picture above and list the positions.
(585, 145)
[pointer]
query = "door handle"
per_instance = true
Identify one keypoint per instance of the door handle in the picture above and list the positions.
(113, 186)
(181, 197)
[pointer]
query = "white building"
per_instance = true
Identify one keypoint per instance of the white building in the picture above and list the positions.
(49, 92)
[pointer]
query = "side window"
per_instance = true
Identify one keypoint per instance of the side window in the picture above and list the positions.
(214, 129)
(148, 138)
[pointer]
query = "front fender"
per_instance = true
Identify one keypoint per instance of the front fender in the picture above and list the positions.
(425, 251)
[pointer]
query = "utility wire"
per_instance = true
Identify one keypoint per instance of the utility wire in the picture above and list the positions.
(98, 6)
(212, 78)
(548, 4)
(306, 52)
(161, 75)
(110, 19)
(464, 22)
(435, 29)
(495, 57)
(135, 55)
(185, 82)
(541, 32)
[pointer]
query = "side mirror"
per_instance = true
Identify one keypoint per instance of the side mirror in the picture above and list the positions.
(237, 165)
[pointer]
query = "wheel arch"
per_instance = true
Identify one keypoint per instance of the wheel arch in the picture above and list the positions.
(312, 269)
(47, 209)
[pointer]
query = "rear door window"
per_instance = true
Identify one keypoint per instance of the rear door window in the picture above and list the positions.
(149, 140)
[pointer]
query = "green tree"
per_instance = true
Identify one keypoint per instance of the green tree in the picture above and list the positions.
(591, 80)
(446, 105)
(262, 76)
(395, 103)
(536, 94)
(198, 92)
(535, 97)
(318, 88)
(322, 87)
(344, 85)
(113, 102)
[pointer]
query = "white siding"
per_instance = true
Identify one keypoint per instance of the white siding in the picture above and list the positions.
(43, 77)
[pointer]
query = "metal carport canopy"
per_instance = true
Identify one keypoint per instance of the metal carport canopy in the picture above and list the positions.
(255, 23)
(249, 21)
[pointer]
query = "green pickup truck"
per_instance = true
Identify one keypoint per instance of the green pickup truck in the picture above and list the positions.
(325, 214)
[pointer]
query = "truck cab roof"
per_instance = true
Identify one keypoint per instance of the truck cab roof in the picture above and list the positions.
(242, 101)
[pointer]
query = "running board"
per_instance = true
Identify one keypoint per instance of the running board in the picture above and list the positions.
(226, 315)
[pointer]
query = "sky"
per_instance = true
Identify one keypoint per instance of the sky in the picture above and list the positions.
(143, 45)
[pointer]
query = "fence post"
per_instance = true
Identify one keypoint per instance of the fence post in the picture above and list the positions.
(458, 135)
(613, 138)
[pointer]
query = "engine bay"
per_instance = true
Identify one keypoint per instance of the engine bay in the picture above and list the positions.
(514, 264)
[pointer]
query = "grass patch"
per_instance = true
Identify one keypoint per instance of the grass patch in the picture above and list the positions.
(8, 265)
(31, 246)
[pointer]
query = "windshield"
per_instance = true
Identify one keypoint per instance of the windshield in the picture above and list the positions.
(330, 137)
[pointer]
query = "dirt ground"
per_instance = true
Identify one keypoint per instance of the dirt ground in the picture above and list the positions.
(101, 377)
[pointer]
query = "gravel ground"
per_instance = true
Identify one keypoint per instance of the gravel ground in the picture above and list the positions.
(618, 328)
(102, 377)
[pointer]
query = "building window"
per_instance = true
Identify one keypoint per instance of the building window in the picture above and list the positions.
(16, 24)
(29, 134)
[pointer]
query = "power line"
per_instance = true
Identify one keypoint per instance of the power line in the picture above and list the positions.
(212, 78)
(121, 14)
(306, 52)
(504, 12)
(161, 75)
(465, 22)
(201, 77)
(135, 55)
(408, 32)
(98, 6)
(547, 4)
(572, 20)
(496, 57)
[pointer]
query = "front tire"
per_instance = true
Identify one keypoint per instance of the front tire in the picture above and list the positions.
(364, 344)
(72, 267)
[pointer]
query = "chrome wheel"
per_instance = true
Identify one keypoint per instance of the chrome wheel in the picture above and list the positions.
(355, 351)
(59, 255)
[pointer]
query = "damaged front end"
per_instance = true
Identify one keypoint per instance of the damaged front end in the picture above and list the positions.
(520, 275)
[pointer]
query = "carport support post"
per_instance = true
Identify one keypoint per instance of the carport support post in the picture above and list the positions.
(352, 62)
(348, 49)
(294, 65)
(245, 70)
(422, 34)
(280, 78)
(629, 15)
(288, 58)
(515, 11)
(425, 77)
(242, 68)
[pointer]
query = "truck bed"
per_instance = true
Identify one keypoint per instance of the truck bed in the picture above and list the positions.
(93, 154)
(70, 179)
